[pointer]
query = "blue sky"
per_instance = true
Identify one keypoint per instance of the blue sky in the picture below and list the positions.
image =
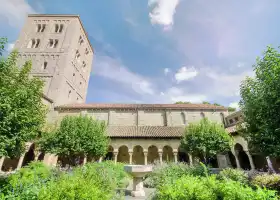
(162, 51)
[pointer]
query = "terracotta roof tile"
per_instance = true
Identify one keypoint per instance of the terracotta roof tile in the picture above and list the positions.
(145, 131)
(141, 106)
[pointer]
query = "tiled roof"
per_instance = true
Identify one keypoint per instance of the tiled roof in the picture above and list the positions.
(145, 131)
(142, 106)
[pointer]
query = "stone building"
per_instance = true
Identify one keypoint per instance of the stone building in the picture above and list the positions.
(61, 55)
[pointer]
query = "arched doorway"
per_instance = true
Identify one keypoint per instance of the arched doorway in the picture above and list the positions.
(153, 155)
(232, 159)
(29, 155)
(167, 154)
(9, 164)
(123, 155)
(242, 157)
(109, 155)
(182, 155)
(41, 156)
(138, 156)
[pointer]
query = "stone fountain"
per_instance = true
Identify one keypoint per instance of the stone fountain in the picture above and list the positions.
(138, 172)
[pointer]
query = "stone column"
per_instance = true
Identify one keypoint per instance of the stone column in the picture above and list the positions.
(190, 159)
(37, 153)
(160, 157)
(222, 161)
(20, 161)
(235, 153)
(250, 160)
(100, 159)
(130, 152)
(137, 190)
(146, 157)
(175, 153)
(116, 156)
(85, 160)
(2, 159)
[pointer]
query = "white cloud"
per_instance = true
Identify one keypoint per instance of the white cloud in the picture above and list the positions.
(166, 71)
(162, 11)
(234, 105)
(114, 69)
(10, 47)
(175, 94)
(185, 74)
(223, 84)
(14, 12)
(240, 64)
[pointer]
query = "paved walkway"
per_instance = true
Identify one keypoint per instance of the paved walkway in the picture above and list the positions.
(148, 192)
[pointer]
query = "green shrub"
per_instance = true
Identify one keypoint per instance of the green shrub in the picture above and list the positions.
(92, 181)
(271, 181)
(210, 188)
(234, 174)
(75, 187)
(171, 172)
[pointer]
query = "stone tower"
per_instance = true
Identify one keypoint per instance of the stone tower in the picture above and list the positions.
(61, 55)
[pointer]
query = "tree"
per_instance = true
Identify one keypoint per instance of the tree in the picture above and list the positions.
(77, 136)
(182, 102)
(3, 41)
(22, 113)
(260, 104)
(216, 104)
(231, 109)
(206, 138)
(205, 102)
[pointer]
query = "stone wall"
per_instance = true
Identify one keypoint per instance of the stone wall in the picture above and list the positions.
(115, 117)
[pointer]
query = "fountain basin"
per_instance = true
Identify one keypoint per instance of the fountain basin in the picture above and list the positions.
(138, 172)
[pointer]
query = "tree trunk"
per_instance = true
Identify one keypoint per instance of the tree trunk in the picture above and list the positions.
(270, 166)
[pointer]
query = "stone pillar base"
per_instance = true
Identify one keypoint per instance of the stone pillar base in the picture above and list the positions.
(138, 190)
(138, 193)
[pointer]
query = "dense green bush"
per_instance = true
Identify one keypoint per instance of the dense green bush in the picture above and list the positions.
(234, 174)
(92, 181)
(27, 182)
(170, 172)
(210, 188)
(270, 181)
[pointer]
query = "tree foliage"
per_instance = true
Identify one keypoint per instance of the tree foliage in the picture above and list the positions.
(76, 136)
(22, 112)
(231, 109)
(3, 41)
(260, 104)
(206, 102)
(183, 102)
(206, 138)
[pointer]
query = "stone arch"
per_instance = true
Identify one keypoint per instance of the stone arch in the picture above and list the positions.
(110, 153)
(167, 154)
(138, 155)
(9, 164)
(242, 157)
(183, 155)
(29, 155)
(123, 155)
(41, 156)
(232, 159)
(153, 155)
